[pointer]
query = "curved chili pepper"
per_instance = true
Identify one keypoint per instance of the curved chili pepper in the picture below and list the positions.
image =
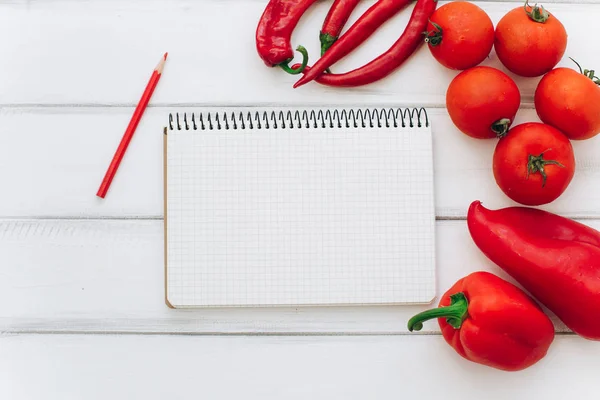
(274, 32)
(383, 65)
(336, 18)
(366, 25)
(490, 321)
(554, 258)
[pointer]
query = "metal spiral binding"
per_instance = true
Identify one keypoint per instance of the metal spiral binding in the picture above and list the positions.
(301, 119)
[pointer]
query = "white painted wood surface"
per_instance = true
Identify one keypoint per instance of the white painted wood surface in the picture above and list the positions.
(64, 169)
(72, 72)
(349, 368)
(107, 276)
(101, 52)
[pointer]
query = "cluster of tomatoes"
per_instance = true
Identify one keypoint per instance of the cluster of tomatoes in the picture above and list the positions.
(533, 162)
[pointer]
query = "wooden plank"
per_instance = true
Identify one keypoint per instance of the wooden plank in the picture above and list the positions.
(174, 367)
(102, 52)
(107, 276)
(53, 160)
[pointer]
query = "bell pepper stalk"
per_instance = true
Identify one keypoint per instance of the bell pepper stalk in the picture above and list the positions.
(554, 258)
(490, 321)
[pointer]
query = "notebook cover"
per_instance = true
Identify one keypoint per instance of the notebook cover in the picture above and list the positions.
(165, 212)
(165, 205)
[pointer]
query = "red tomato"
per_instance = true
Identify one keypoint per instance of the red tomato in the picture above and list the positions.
(569, 101)
(534, 163)
(460, 35)
(530, 41)
(482, 102)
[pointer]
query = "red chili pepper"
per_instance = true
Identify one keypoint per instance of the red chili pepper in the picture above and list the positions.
(492, 322)
(366, 25)
(336, 18)
(387, 62)
(274, 32)
(554, 258)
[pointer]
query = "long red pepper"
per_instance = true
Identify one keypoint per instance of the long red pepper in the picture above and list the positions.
(554, 258)
(366, 25)
(336, 18)
(274, 32)
(383, 65)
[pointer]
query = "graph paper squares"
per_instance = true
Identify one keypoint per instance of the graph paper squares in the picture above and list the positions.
(300, 217)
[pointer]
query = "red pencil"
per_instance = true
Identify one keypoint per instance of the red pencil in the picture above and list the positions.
(133, 123)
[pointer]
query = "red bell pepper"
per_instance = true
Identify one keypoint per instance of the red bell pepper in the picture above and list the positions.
(492, 322)
(554, 258)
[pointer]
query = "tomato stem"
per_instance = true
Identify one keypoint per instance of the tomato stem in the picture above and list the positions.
(434, 37)
(455, 313)
(537, 164)
(589, 73)
(292, 71)
(500, 127)
(537, 14)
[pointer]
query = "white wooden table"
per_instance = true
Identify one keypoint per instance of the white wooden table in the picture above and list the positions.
(81, 280)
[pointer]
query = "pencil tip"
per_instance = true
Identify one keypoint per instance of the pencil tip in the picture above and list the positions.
(161, 64)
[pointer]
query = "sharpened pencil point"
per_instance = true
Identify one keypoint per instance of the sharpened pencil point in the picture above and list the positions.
(161, 64)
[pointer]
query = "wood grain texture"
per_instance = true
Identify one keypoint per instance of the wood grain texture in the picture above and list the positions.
(53, 160)
(107, 276)
(167, 367)
(72, 72)
(102, 52)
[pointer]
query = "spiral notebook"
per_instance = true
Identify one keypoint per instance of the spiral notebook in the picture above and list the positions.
(293, 207)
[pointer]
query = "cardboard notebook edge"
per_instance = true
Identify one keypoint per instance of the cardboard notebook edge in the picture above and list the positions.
(167, 302)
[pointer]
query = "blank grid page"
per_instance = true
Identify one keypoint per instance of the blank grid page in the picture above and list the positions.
(300, 217)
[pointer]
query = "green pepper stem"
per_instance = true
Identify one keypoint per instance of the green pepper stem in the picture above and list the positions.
(455, 313)
(537, 14)
(326, 41)
(286, 67)
(537, 164)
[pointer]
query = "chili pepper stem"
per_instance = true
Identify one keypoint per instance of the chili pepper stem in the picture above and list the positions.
(589, 73)
(537, 163)
(455, 313)
(326, 41)
(293, 71)
(537, 14)
(501, 126)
